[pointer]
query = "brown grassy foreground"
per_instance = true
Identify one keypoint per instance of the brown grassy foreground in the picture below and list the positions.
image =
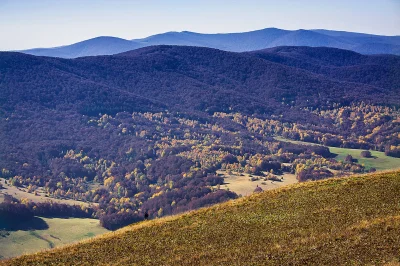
(353, 221)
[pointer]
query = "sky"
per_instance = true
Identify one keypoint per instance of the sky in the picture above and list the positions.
(48, 23)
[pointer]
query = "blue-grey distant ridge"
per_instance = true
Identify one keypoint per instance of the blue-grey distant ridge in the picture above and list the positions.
(235, 42)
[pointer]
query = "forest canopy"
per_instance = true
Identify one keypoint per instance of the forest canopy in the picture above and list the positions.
(146, 131)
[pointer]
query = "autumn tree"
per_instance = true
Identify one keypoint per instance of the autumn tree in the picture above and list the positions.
(366, 154)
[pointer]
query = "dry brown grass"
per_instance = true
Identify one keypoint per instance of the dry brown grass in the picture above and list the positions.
(353, 221)
(241, 184)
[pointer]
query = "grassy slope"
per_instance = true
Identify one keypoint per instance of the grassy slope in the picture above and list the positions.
(332, 222)
(60, 232)
(379, 161)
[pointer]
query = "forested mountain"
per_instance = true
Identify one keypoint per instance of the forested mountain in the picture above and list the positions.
(381, 71)
(147, 129)
(200, 79)
(235, 42)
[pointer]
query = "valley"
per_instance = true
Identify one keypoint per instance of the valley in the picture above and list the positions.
(164, 130)
(199, 132)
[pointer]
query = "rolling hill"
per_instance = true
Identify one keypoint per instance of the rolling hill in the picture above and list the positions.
(161, 76)
(235, 42)
(352, 220)
(338, 64)
(50, 96)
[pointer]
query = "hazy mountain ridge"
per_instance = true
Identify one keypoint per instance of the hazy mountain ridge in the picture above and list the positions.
(92, 47)
(235, 42)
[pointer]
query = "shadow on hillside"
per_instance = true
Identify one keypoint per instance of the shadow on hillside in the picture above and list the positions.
(34, 223)
(334, 155)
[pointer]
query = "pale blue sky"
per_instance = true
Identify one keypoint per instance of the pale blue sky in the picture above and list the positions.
(47, 23)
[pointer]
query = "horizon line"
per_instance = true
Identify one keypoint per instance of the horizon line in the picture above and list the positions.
(202, 33)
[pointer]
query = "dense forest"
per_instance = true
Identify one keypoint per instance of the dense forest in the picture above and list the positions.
(146, 130)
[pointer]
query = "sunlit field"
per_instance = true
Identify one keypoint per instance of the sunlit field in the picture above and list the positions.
(59, 232)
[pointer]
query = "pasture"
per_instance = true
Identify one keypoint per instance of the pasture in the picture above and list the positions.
(379, 160)
(59, 232)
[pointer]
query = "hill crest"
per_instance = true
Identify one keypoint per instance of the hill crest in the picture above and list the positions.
(309, 223)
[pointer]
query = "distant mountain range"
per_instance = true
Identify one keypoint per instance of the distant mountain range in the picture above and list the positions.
(234, 42)
(199, 78)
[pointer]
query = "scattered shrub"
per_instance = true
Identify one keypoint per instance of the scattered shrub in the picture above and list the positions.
(366, 154)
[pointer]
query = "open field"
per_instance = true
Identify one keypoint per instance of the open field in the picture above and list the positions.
(60, 232)
(21, 192)
(241, 184)
(338, 221)
(379, 160)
